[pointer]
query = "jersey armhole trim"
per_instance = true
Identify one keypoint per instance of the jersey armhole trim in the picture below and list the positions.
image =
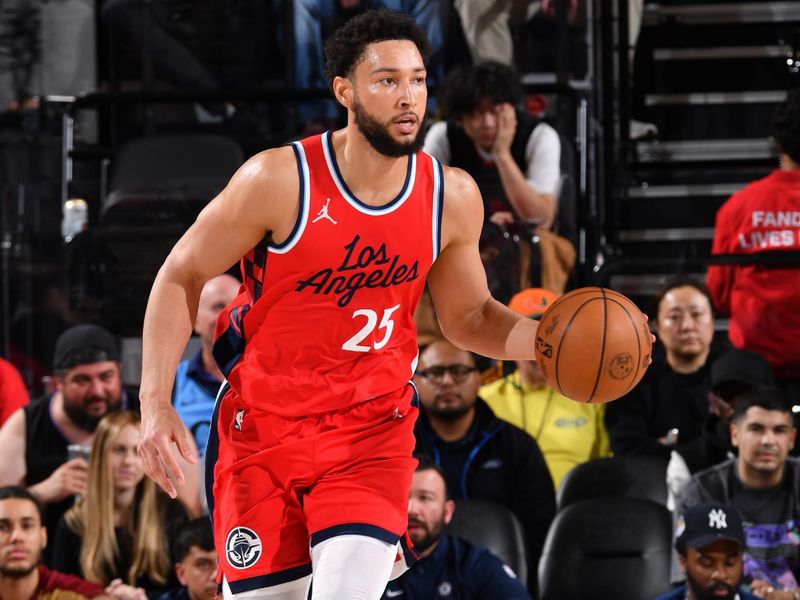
(438, 207)
(303, 200)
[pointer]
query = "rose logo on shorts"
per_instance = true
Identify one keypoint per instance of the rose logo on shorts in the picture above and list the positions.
(242, 548)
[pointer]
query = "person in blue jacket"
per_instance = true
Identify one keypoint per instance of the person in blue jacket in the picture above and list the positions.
(710, 543)
(449, 567)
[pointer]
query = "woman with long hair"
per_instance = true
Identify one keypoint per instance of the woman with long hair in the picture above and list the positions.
(116, 534)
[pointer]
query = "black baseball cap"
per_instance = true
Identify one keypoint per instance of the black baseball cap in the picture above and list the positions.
(83, 345)
(741, 366)
(707, 523)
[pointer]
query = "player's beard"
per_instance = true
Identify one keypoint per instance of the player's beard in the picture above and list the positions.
(705, 594)
(378, 136)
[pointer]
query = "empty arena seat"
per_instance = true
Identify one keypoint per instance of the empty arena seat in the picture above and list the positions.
(492, 525)
(642, 477)
(168, 179)
(607, 548)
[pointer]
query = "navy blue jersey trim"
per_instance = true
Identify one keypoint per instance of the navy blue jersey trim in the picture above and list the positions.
(263, 581)
(440, 210)
(328, 140)
(372, 531)
(212, 449)
(302, 204)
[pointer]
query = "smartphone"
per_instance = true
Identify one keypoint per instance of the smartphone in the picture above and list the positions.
(78, 451)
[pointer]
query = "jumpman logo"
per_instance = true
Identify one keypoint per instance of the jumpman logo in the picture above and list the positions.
(323, 213)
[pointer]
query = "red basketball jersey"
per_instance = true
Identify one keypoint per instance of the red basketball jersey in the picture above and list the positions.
(324, 320)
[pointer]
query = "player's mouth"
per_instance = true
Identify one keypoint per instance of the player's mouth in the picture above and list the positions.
(407, 124)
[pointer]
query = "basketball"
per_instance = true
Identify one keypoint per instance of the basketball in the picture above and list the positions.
(593, 345)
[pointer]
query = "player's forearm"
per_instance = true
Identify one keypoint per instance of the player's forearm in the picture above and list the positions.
(494, 331)
(167, 327)
(526, 201)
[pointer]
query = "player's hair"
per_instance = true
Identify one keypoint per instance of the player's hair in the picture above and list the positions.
(466, 85)
(20, 493)
(345, 48)
(196, 533)
(678, 282)
(762, 396)
(93, 516)
(786, 126)
(426, 463)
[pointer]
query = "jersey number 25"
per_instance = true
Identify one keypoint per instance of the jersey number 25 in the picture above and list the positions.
(354, 343)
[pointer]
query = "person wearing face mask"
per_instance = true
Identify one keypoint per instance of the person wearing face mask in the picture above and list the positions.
(449, 567)
(763, 484)
(709, 547)
(670, 404)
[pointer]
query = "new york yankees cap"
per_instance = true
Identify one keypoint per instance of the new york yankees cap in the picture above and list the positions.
(707, 523)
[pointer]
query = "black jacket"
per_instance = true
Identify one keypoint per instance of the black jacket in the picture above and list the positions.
(505, 465)
(663, 400)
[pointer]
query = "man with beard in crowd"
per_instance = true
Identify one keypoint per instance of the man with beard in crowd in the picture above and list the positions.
(22, 539)
(482, 456)
(34, 440)
(710, 551)
(450, 567)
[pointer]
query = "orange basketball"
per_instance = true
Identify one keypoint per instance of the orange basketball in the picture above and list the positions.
(593, 345)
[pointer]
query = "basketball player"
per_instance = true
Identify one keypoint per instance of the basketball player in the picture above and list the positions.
(309, 458)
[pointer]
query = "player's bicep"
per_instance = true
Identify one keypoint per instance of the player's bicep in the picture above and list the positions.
(457, 279)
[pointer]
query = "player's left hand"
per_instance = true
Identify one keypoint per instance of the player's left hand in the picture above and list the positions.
(506, 127)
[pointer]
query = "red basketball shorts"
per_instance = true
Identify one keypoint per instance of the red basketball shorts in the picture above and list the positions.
(278, 486)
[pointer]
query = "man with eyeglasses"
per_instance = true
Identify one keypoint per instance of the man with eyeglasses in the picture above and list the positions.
(482, 457)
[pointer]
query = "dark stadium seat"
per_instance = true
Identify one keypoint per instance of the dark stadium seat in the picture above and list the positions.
(607, 548)
(494, 526)
(641, 477)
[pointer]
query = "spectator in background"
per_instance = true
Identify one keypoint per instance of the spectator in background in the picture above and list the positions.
(513, 156)
(765, 216)
(450, 567)
(195, 563)
(34, 440)
(731, 373)
(710, 553)
(118, 533)
(22, 539)
(669, 406)
(482, 456)
(313, 17)
(13, 393)
(763, 485)
(568, 433)
(197, 380)
(486, 25)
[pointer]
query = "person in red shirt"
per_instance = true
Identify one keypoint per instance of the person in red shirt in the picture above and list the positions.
(22, 539)
(309, 461)
(13, 393)
(764, 301)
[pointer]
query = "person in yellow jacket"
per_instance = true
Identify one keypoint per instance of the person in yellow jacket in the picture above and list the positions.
(569, 433)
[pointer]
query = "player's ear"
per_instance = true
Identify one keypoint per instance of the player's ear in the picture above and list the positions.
(343, 91)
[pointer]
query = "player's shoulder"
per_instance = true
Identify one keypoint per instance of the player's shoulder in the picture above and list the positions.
(273, 170)
(459, 184)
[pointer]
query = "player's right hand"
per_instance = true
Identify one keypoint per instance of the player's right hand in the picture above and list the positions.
(161, 426)
(69, 479)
